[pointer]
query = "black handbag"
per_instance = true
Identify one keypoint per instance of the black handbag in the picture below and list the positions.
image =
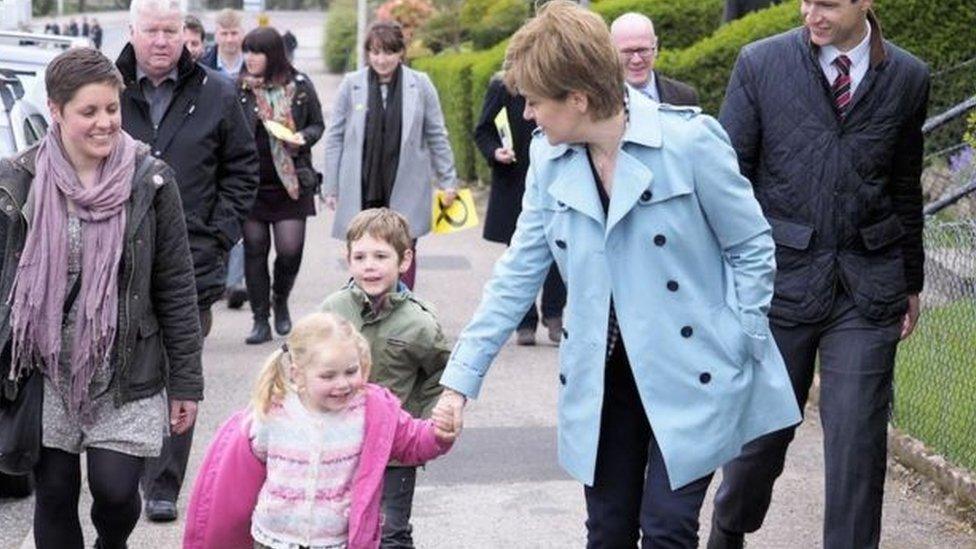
(21, 408)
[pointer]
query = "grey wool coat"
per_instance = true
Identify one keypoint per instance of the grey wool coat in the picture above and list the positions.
(425, 154)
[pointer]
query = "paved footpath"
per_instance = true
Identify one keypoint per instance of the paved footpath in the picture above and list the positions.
(500, 487)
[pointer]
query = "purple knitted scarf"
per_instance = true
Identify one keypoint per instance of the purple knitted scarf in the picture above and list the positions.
(40, 284)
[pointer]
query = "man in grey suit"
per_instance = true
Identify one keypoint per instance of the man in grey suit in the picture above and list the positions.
(633, 35)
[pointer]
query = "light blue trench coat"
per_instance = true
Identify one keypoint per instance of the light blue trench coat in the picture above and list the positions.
(689, 260)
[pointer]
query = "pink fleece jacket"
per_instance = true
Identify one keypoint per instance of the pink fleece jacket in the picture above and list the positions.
(227, 485)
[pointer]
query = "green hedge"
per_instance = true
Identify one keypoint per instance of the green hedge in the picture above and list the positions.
(677, 23)
(339, 46)
(451, 75)
(708, 64)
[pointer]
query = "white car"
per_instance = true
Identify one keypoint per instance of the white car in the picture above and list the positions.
(24, 117)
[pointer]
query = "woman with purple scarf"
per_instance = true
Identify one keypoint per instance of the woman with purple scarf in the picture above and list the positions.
(97, 294)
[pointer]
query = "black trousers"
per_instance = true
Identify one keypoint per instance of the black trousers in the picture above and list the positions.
(397, 504)
(553, 300)
(631, 495)
(163, 477)
(857, 358)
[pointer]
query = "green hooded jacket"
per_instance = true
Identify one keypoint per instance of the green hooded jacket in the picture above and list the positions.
(407, 345)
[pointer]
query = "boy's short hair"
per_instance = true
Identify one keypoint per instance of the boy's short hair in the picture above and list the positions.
(228, 18)
(192, 23)
(382, 224)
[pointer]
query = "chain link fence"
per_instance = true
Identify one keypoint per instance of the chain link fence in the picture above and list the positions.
(935, 376)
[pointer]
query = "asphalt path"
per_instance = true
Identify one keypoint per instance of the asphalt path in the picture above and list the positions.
(500, 486)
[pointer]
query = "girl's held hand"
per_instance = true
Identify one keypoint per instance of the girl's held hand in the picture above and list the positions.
(444, 429)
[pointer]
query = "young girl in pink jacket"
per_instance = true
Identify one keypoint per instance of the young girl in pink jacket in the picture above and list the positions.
(304, 467)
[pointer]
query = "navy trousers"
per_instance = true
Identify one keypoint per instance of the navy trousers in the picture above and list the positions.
(857, 358)
(631, 495)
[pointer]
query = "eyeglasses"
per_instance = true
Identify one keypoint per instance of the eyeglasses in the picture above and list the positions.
(643, 53)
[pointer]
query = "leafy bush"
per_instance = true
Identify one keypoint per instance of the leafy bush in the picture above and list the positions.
(500, 21)
(677, 23)
(411, 14)
(339, 46)
(444, 29)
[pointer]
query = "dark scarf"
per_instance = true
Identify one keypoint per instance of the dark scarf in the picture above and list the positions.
(381, 150)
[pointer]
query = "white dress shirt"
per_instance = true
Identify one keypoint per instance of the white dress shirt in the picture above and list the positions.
(860, 56)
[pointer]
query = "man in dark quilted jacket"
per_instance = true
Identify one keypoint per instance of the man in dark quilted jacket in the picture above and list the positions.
(827, 122)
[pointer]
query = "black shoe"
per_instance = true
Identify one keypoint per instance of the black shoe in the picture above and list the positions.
(282, 318)
(260, 333)
(159, 510)
(236, 296)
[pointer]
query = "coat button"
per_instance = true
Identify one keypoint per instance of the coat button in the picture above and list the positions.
(135, 297)
(562, 379)
(645, 196)
(704, 378)
(157, 153)
(565, 334)
(660, 240)
(561, 244)
(686, 331)
(672, 285)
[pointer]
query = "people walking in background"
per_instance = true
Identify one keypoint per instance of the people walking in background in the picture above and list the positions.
(96, 34)
(509, 167)
(273, 92)
(85, 27)
(226, 58)
(291, 44)
(404, 336)
(386, 134)
(663, 374)
(72, 27)
(192, 119)
(194, 36)
(103, 232)
(316, 426)
(833, 148)
(633, 35)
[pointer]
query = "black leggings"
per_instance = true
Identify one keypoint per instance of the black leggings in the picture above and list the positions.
(289, 242)
(113, 479)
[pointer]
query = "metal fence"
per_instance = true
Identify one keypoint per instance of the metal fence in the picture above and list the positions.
(935, 376)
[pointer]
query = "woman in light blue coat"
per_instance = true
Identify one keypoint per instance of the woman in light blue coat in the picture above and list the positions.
(667, 366)
(385, 137)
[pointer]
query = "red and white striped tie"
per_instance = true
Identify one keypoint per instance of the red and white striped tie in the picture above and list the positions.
(841, 88)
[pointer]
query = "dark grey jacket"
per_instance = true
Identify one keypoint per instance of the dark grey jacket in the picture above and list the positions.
(206, 140)
(306, 112)
(843, 196)
(158, 342)
(675, 92)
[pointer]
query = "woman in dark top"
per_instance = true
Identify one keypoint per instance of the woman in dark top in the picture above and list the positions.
(274, 94)
(508, 169)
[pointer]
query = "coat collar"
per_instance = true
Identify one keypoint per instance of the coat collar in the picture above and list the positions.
(126, 63)
(574, 185)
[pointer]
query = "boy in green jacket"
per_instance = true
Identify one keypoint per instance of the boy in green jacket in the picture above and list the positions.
(408, 348)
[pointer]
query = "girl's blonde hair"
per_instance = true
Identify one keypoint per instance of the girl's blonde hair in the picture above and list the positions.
(307, 336)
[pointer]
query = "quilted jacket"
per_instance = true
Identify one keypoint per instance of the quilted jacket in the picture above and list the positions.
(843, 196)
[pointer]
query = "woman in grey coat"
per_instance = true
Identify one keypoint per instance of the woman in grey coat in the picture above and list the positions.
(386, 135)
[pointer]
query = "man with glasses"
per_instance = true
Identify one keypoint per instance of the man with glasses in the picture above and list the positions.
(633, 35)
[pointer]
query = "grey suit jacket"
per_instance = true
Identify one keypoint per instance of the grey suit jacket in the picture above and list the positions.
(423, 148)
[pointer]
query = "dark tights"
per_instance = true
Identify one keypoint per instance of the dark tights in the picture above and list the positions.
(289, 242)
(113, 479)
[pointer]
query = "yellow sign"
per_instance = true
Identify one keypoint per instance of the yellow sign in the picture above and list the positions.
(504, 129)
(461, 215)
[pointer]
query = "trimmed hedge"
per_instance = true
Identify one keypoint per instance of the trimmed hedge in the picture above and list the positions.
(339, 47)
(677, 23)
(451, 75)
(708, 64)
